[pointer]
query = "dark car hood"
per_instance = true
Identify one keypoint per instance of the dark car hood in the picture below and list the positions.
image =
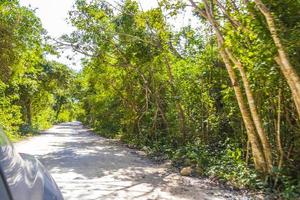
(27, 177)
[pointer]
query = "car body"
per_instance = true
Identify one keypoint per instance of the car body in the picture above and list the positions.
(23, 177)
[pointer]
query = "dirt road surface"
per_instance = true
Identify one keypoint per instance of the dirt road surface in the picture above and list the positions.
(88, 167)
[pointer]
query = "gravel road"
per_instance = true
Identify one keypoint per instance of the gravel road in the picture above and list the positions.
(89, 167)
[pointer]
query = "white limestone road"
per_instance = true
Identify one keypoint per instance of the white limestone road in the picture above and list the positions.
(88, 167)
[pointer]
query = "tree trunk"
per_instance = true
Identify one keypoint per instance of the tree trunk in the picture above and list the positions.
(287, 69)
(179, 108)
(291, 85)
(258, 155)
(254, 113)
(29, 112)
(278, 137)
(260, 161)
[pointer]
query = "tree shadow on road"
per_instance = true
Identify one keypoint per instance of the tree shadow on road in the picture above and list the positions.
(90, 167)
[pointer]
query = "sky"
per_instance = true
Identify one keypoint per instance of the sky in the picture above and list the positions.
(53, 14)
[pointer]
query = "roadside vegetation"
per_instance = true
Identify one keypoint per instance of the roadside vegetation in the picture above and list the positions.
(34, 92)
(220, 95)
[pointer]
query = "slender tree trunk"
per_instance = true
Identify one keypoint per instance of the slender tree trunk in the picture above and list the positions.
(258, 156)
(291, 85)
(179, 108)
(254, 113)
(286, 67)
(163, 115)
(158, 100)
(29, 112)
(278, 137)
(58, 109)
(260, 161)
(160, 109)
(247, 152)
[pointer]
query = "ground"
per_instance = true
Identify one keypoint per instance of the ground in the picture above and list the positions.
(88, 167)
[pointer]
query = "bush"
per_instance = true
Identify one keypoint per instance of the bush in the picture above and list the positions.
(226, 163)
(229, 166)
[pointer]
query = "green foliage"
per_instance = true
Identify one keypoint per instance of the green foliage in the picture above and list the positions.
(291, 189)
(10, 114)
(32, 89)
(163, 90)
(230, 166)
(224, 163)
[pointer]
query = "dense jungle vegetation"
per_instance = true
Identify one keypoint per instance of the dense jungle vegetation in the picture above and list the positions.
(34, 92)
(221, 94)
